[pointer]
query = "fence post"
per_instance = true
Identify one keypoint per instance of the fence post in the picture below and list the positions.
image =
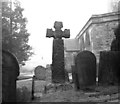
(33, 85)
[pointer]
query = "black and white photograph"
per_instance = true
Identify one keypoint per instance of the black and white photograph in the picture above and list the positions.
(60, 51)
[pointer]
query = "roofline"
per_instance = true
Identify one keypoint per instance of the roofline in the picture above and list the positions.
(95, 19)
(106, 14)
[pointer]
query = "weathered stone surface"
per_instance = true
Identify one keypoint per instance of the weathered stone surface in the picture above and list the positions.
(10, 71)
(115, 45)
(75, 78)
(101, 32)
(58, 71)
(40, 73)
(48, 74)
(109, 66)
(85, 69)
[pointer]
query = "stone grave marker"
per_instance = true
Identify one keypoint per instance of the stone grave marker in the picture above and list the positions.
(40, 73)
(115, 46)
(10, 71)
(48, 74)
(109, 66)
(84, 70)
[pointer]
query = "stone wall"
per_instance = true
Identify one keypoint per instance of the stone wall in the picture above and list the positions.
(102, 36)
(98, 33)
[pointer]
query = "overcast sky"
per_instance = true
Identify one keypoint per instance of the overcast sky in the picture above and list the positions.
(42, 14)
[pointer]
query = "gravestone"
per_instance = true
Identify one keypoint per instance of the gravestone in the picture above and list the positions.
(48, 73)
(109, 66)
(57, 67)
(10, 71)
(84, 70)
(40, 73)
(115, 46)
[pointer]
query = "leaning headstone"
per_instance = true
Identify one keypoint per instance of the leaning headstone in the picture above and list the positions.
(85, 70)
(109, 66)
(10, 71)
(40, 73)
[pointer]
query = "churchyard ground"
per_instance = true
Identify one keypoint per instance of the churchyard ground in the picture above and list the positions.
(104, 94)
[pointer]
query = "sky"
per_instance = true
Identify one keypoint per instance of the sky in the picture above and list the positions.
(41, 14)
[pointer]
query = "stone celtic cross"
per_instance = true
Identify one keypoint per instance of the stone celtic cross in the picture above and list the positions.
(58, 33)
(58, 71)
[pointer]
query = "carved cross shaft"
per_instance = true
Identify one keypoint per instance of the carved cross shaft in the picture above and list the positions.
(58, 33)
(58, 71)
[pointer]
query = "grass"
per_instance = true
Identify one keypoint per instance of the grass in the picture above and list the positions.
(23, 94)
(24, 88)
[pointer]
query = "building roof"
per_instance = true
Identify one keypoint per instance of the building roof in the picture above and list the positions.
(101, 18)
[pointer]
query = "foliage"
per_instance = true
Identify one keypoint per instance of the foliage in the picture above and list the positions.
(14, 33)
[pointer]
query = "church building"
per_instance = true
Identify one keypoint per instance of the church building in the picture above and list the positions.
(95, 36)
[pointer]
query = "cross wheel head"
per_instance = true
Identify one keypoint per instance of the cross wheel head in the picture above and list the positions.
(58, 25)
